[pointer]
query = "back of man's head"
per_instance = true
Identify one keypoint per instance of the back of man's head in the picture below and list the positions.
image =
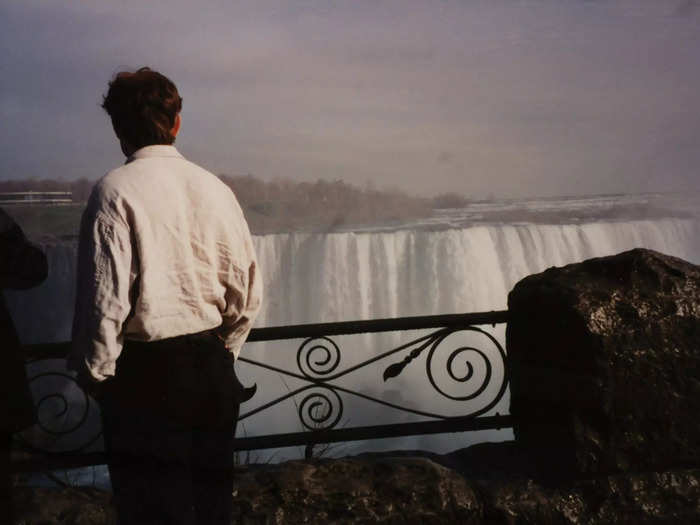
(143, 106)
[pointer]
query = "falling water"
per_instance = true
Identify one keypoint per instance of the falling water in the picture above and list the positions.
(347, 276)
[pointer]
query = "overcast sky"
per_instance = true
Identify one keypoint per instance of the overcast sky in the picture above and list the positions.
(508, 98)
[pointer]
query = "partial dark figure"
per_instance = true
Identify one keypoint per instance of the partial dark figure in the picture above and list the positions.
(168, 288)
(22, 265)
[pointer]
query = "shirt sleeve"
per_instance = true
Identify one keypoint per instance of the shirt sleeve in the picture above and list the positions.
(243, 300)
(102, 302)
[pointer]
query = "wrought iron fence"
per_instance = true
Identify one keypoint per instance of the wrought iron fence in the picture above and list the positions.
(319, 369)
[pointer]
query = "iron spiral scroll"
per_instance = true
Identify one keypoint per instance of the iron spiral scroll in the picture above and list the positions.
(322, 407)
(326, 360)
(434, 343)
(60, 417)
(318, 361)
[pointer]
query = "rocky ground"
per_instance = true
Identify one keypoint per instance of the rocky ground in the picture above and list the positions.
(473, 486)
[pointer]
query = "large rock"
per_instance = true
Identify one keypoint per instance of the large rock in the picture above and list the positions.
(65, 506)
(604, 360)
(411, 490)
(355, 490)
(363, 490)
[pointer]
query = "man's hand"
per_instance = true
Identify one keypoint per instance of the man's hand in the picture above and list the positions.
(91, 386)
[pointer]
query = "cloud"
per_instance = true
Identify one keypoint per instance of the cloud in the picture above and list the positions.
(687, 8)
(529, 96)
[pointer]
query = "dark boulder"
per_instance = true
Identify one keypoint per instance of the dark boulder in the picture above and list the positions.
(352, 491)
(406, 490)
(63, 506)
(355, 490)
(604, 358)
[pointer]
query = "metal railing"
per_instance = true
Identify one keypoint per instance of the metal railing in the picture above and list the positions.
(318, 372)
(35, 197)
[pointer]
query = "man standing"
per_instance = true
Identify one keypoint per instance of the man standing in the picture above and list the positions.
(168, 288)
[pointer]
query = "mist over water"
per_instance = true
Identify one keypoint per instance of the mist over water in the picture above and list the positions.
(347, 276)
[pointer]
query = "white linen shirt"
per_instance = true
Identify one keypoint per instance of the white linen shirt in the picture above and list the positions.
(164, 251)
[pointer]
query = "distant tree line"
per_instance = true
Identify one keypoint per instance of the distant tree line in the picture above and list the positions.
(281, 205)
(450, 200)
(287, 205)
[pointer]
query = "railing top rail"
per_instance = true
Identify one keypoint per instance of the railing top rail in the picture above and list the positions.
(276, 333)
(34, 192)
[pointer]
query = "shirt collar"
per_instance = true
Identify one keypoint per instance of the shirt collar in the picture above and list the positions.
(155, 150)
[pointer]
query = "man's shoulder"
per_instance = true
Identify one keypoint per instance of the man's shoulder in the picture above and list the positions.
(210, 185)
(112, 191)
(108, 189)
(105, 187)
(142, 171)
(205, 176)
(142, 181)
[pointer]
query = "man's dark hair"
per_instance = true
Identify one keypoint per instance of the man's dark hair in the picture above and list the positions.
(143, 106)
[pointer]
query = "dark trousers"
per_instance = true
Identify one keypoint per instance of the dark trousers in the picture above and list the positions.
(169, 418)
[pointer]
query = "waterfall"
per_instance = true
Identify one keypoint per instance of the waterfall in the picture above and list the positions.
(347, 276)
